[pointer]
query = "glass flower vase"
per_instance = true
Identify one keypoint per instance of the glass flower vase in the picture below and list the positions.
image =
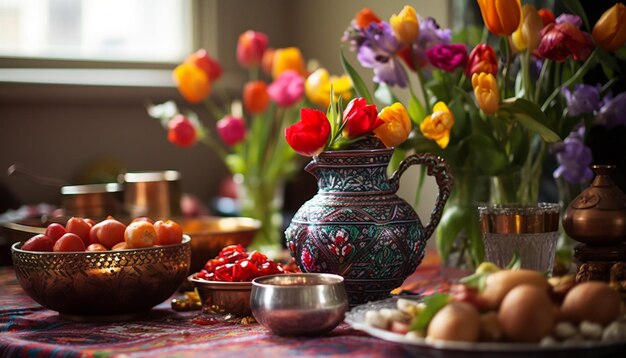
(263, 200)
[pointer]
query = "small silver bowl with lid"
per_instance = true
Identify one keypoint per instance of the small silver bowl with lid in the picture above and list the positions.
(305, 304)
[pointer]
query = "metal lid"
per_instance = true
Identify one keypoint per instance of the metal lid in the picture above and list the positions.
(139, 177)
(91, 188)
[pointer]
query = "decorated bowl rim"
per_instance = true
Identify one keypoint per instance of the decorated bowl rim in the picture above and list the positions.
(248, 224)
(15, 248)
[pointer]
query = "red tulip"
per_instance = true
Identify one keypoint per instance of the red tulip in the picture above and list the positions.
(208, 64)
(366, 16)
(255, 97)
(482, 59)
(250, 48)
(547, 16)
(360, 118)
(560, 41)
(231, 130)
(181, 132)
(308, 137)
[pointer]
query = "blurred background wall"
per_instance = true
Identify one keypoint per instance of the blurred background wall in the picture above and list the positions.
(93, 121)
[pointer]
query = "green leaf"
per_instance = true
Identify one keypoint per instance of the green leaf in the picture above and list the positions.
(576, 8)
(475, 238)
(433, 303)
(451, 223)
(608, 63)
(490, 158)
(357, 81)
(532, 118)
(235, 164)
(416, 109)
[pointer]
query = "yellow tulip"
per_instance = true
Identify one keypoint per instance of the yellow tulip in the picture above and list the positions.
(502, 17)
(405, 25)
(396, 125)
(486, 92)
(289, 58)
(192, 82)
(317, 87)
(610, 32)
(437, 125)
(528, 34)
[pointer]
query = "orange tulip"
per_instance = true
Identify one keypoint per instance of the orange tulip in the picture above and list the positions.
(289, 58)
(192, 82)
(486, 92)
(405, 25)
(502, 17)
(610, 32)
(255, 97)
(396, 125)
(528, 34)
(365, 17)
(437, 125)
(208, 64)
(547, 16)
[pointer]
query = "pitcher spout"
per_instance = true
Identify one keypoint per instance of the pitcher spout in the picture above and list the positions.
(312, 168)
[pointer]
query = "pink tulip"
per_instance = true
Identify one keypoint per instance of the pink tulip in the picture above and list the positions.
(231, 130)
(287, 89)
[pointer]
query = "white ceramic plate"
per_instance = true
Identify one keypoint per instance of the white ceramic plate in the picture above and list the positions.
(423, 348)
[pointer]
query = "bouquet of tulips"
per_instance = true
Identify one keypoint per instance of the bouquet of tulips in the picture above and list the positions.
(494, 107)
(246, 133)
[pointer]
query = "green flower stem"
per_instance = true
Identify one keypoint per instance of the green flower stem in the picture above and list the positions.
(544, 70)
(525, 63)
(209, 142)
(213, 109)
(575, 77)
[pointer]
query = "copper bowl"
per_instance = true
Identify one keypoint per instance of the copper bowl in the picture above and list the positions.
(102, 286)
(210, 234)
(227, 298)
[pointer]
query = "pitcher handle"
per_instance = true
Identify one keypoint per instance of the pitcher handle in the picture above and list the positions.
(437, 167)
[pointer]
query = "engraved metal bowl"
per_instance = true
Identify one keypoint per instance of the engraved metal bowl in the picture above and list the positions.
(304, 304)
(102, 286)
(227, 298)
(210, 234)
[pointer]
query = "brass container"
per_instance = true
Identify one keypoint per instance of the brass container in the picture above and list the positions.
(598, 215)
(152, 194)
(227, 298)
(210, 234)
(92, 200)
(102, 286)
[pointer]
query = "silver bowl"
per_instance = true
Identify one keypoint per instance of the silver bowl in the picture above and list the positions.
(299, 304)
(228, 298)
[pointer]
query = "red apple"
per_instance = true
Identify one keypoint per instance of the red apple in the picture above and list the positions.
(79, 227)
(39, 242)
(55, 231)
(69, 242)
(108, 232)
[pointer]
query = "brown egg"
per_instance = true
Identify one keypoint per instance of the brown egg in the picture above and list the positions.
(457, 321)
(591, 301)
(498, 284)
(527, 314)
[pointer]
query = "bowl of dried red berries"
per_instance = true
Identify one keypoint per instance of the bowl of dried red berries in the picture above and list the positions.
(225, 282)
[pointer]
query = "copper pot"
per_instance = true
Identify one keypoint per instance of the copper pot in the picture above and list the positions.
(152, 194)
(92, 200)
(597, 216)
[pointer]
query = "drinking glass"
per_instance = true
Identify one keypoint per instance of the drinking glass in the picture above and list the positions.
(529, 231)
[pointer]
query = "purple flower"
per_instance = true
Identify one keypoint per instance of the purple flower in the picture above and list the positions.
(574, 158)
(569, 18)
(378, 51)
(612, 112)
(447, 57)
(583, 99)
(429, 36)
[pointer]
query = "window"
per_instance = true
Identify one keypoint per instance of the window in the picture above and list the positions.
(109, 30)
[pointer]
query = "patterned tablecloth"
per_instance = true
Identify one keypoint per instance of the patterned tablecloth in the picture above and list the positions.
(27, 329)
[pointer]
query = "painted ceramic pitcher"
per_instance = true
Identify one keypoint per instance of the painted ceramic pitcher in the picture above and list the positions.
(356, 226)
